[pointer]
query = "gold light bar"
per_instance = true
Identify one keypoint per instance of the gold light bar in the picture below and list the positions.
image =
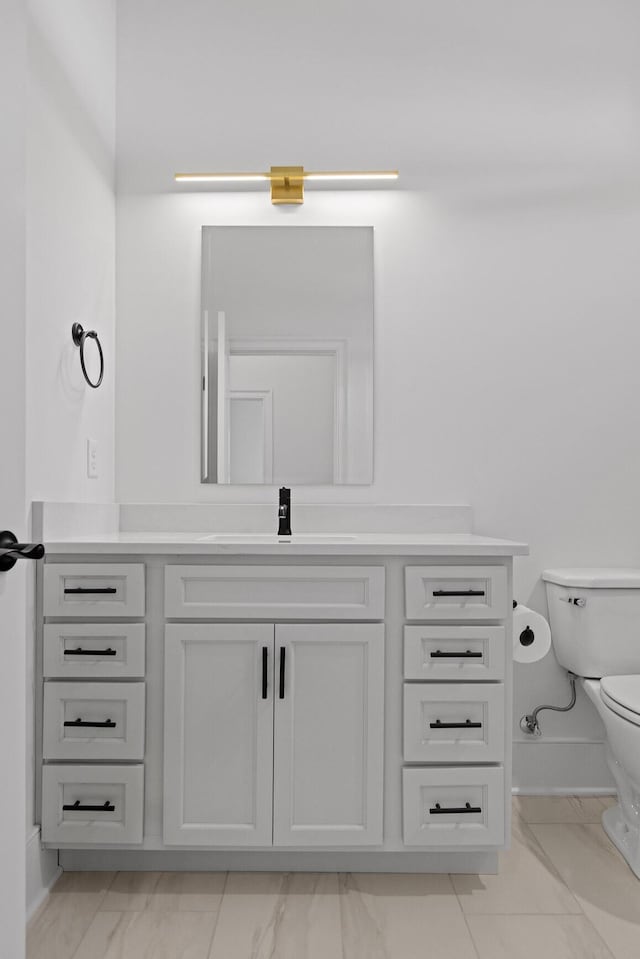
(220, 177)
(345, 175)
(287, 182)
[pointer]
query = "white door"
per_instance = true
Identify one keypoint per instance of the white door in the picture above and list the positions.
(218, 735)
(13, 597)
(329, 710)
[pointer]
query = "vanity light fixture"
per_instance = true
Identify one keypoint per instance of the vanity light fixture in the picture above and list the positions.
(287, 182)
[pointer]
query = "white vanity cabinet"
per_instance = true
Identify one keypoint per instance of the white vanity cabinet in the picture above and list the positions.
(273, 734)
(275, 707)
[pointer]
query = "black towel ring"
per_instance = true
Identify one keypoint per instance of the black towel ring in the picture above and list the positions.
(80, 336)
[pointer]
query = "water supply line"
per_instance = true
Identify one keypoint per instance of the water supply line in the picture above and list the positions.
(529, 724)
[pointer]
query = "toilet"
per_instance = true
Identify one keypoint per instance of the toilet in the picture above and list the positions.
(595, 630)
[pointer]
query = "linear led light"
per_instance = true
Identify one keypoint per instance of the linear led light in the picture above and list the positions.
(287, 182)
(220, 177)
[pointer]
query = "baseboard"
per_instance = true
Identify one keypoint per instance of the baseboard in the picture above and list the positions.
(42, 871)
(542, 768)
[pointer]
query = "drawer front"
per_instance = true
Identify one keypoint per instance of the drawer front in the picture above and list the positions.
(88, 589)
(94, 651)
(92, 804)
(93, 721)
(454, 723)
(280, 592)
(449, 807)
(454, 652)
(456, 592)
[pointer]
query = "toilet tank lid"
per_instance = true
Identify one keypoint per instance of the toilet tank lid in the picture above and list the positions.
(594, 577)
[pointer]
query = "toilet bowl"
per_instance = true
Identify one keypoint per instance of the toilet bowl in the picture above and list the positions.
(622, 728)
(595, 630)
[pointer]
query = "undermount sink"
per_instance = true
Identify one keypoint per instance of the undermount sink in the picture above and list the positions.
(318, 538)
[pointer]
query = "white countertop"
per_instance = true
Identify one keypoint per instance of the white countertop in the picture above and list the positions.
(303, 544)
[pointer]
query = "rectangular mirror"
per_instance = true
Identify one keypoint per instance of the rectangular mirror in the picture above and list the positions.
(287, 355)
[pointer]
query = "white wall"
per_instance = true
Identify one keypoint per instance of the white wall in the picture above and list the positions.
(70, 276)
(13, 511)
(507, 292)
(70, 244)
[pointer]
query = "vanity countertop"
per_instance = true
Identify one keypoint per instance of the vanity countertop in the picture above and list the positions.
(302, 544)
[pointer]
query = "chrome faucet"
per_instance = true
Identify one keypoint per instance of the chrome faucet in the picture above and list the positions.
(284, 512)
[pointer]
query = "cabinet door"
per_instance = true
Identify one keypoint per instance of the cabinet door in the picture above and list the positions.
(329, 720)
(218, 753)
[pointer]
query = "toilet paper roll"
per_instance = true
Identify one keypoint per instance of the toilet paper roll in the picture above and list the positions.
(531, 635)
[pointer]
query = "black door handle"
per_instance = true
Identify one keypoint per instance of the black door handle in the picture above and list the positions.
(282, 670)
(11, 550)
(467, 654)
(466, 725)
(108, 724)
(265, 660)
(438, 810)
(89, 590)
(77, 806)
(79, 651)
(458, 592)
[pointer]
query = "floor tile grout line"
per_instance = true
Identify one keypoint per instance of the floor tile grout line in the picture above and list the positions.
(93, 917)
(455, 891)
(218, 911)
(470, 934)
(523, 915)
(550, 866)
(464, 916)
(543, 915)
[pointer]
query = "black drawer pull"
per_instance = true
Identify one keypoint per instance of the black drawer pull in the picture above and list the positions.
(438, 810)
(265, 660)
(108, 724)
(467, 654)
(79, 651)
(282, 671)
(458, 592)
(77, 806)
(90, 590)
(465, 725)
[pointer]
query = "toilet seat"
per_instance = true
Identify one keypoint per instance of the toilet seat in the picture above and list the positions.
(621, 694)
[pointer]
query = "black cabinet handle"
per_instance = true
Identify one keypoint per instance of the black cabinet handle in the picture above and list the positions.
(282, 669)
(90, 590)
(438, 810)
(108, 724)
(458, 592)
(465, 725)
(77, 806)
(467, 654)
(265, 660)
(79, 651)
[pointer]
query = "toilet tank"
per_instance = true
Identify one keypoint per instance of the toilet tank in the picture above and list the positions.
(594, 616)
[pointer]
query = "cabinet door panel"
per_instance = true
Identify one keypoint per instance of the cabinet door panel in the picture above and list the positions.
(218, 735)
(329, 735)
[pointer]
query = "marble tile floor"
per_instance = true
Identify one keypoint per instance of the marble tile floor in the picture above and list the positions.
(563, 892)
